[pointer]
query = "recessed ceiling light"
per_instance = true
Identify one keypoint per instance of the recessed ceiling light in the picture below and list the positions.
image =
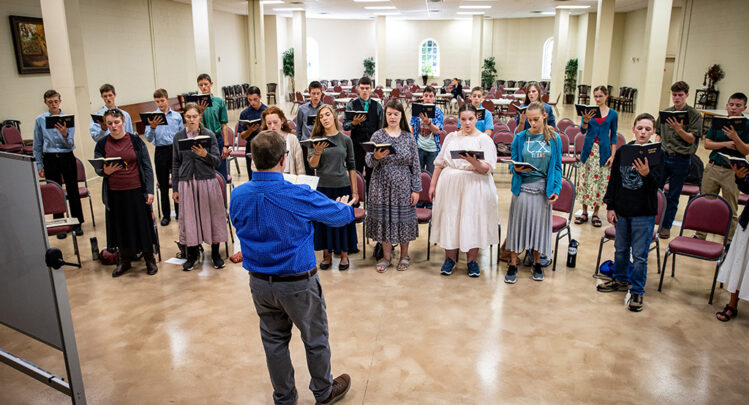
(547, 13)
(380, 8)
(289, 9)
(470, 12)
(475, 7)
(371, 1)
(271, 2)
(572, 7)
(384, 14)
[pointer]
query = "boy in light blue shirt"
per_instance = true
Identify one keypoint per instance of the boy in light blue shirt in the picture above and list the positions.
(428, 135)
(99, 131)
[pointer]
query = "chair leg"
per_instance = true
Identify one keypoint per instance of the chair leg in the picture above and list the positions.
(158, 199)
(91, 205)
(556, 250)
(600, 249)
(658, 254)
(663, 270)
(673, 265)
(75, 247)
(429, 238)
(364, 245)
(715, 279)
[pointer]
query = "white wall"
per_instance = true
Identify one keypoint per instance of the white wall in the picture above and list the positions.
(232, 44)
(518, 46)
(173, 44)
(344, 44)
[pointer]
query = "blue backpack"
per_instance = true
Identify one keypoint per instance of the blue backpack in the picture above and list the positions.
(607, 268)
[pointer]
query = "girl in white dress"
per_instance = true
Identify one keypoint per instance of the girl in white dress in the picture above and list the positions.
(465, 198)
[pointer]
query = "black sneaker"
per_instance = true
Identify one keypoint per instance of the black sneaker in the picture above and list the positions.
(538, 272)
(512, 275)
(613, 285)
(634, 302)
(218, 262)
(165, 221)
(189, 264)
(78, 231)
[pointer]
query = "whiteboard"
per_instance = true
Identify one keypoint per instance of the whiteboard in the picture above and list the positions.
(27, 295)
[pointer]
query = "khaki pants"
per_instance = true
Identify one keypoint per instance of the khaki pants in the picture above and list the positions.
(718, 178)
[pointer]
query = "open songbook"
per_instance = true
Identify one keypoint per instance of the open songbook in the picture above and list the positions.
(478, 154)
(680, 116)
(311, 142)
(738, 123)
(371, 147)
(302, 179)
(582, 109)
(197, 98)
(735, 160)
(521, 164)
(428, 109)
(99, 163)
(187, 143)
(153, 116)
(629, 152)
(66, 120)
(349, 115)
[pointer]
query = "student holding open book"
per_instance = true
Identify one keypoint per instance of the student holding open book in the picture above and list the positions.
(731, 141)
(394, 191)
(363, 125)
(127, 193)
(427, 132)
(597, 155)
(275, 120)
(485, 124)
(679, 141)
(533, 92)
(465, 198)
(53, 152)
(252, 113)
(534, 191)
(203, 214)
(336, 167)
(632, 204)
(215, 119)
(305, 118)
(98, 129)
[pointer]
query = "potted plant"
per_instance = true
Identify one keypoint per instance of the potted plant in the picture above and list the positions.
(488, 72)
(288, 68)
(426, 72)
(369, 67)
(714, 74)
(570, 81)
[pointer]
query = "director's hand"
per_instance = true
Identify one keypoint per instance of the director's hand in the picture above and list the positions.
(344, 199)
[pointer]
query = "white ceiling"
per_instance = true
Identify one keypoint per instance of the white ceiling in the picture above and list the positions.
(423, 9)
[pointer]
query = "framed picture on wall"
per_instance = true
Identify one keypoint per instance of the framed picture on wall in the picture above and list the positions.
(30, 44)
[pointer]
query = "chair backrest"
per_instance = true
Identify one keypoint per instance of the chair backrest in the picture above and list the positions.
(579, 141)
(299, 97)
(53, 198)
(328, 99)
(395, 93)
(564, 123)
(488, 105)
(239, 142)
(222, 183)
(566, 200)
(443, 135)
(337, 89)
(12, 135)
(661, 209)
(545, 98)
(512, 124)
(572, 131)
(565, 142)
(81, 170)
(272, 87)
(450, 128)
(426, 182)
(361, 187)
(620, 140)
(708, 213)
(504, 137)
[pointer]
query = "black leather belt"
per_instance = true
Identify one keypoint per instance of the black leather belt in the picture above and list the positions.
(676, 154)
(284, 279)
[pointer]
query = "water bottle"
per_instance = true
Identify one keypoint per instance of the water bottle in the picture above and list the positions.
(94, 248)
(572, 253)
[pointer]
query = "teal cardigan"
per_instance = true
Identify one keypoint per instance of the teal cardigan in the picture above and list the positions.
(553, 177)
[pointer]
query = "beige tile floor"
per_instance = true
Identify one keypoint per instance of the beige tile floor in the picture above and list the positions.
(411, 337)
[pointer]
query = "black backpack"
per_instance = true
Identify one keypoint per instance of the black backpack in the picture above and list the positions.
(696, 168)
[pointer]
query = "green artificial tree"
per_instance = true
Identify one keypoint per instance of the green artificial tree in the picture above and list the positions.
(488, 72)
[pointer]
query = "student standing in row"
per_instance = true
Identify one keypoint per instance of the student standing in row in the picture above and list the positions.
(632, 204)
(534, 192)
(394, 192)
(127, 193)
(465, 198)
(487, 124)
(203, 217)
(162, 137)
(337, 171)
(597, 155)
(215, 119)
(53, 152)
(99, 131)
(533, 92)
(427, 132)
(306, 110)
(679, 142)
(253, 112)
(363, 125)
(718, 175)
(275, 120)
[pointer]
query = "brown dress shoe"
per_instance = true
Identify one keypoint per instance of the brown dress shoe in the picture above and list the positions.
(664, 233)
(122, 267)
(151, 267)
(341, 384)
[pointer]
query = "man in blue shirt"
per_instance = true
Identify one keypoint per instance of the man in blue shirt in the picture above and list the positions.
(161, 136)
(428, 136)
(99, 130)
(253, 112)
(53, 151)
(273, 220)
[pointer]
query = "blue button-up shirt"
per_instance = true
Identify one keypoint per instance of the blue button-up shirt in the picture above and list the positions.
(438, 120)
(50, 140)
(273, 219)
(163, 135)
(96, 130)
(486, 123)
(250, 114)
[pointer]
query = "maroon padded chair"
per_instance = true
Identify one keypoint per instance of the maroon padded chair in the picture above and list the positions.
(564, 123)
(565, 203)
(620, 140)
(13, 143)
(488, 105)
(708, 213)
(689, 190)
(609, 234)
(237, 150)
(54, 202)
(506, 138)
(743, 198)
(228, 221)
(84, 192)
(449, 128)
(424, 215)
(512, 124)
(361, 213)
(568, 160)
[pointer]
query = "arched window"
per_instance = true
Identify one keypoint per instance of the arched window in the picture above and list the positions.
(429, 55)
(548, 56)
(313, 59)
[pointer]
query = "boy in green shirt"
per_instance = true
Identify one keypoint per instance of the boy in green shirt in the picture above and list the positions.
(215, 118)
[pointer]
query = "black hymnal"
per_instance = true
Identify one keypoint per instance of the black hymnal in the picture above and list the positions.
(680, 116)
(582, 109)
(311, 120)
(480, 114)
(521, 165)
(350, 114)
(250, 123)
(99, 163)
(418, 108)
(187, 143)
(631, 151)
(99, 119)
(311, 142)
(521, 108)
(738, 123)
(478, 154)
(66, 120)
(197, 98)
(153, 116)
(371, 147)
(735, 160)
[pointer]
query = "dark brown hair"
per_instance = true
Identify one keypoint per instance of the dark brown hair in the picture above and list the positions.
(204, 76)
(267, 149)
(468, 107)
(478, 88)
(644, 116)
(538, 88)
(398, 106)
(602, 89)
(279, 112)
(116, 113)
(50, 93)
(318, 130)
(160, 93)
(738, 96)
(106, 87)
(429, 89)
(680, 86)
(366, 81)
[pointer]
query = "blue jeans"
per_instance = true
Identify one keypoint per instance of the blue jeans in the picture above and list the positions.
(633, 234)
(221, 167)
(426, 160)
(676, 168)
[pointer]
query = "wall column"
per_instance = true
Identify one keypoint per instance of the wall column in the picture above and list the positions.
(299, 22)
(560, 52)
(585, 65)
(272, 53)
(67, 68)
(656, 42)
(381, 50)
(203, 34)
(476, 48)
(604, 34)
(256, 41)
